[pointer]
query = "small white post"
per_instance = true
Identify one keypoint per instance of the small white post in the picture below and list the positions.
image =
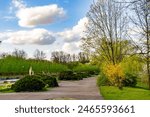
(31, 72)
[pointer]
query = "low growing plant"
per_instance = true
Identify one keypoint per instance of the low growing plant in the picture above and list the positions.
(69, 75)
(130, 80)
(28, 83)
(102, 80)
(49, 80)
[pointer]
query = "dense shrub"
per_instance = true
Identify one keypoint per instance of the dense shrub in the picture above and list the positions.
(83, 74)
(114, 74)
(102, 80)
(69, 75)
(130, 80)
(49, 80)
(90, 73)
(66, 75)
(77, 76)
(72, 65)
(28, 83)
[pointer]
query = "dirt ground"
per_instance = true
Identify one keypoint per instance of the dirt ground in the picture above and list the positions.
(77, 90)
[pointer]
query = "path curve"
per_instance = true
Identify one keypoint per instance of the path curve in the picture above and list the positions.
(85, 89)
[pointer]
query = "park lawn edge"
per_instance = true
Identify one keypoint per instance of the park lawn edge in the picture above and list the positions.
(128, 93)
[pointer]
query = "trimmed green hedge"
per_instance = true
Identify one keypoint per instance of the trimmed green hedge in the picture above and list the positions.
(69, 75)
(28, 83)
(49, 80)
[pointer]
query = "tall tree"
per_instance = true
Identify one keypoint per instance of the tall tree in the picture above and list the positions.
(106, 31)
(39, 55)
(60, 57)
(83, 57)
(55, 57)
(19, 53)
(141, 21)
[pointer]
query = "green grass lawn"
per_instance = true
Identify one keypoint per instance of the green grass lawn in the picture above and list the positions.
(5, 89)
(113, 93)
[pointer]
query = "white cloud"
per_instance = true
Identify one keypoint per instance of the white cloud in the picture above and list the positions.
(69, 47)
(76, 33)
(33, 16)
(18, 4)
(72, 37)
(73, 47)
(35, 36)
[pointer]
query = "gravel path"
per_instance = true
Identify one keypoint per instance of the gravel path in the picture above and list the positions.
(79, 90)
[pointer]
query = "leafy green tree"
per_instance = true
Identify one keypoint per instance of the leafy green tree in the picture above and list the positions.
(106, 32)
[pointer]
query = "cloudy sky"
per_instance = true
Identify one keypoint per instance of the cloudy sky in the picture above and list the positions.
(47, 25)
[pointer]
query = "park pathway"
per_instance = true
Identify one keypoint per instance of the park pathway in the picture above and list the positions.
(85, 89)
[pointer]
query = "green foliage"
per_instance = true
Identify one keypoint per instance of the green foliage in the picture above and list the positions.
(6, 87)
(130, 80)
(79, 72)
(84, 74)
(87, 68)
(102, 80)
(77, 76)
(49, 80)
(69, 75)
(114, 74)
(132, 64)
(71, 65)
(18, 66)
(28, 83)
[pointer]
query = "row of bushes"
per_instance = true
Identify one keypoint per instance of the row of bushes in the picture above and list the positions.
(34, 83)
(39, 82)
(70, 75)
(130, 80)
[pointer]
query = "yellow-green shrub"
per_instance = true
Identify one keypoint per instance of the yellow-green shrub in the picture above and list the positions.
(114, 74)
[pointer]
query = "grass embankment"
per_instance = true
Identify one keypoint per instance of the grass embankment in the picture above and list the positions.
(11, 66)
(113, 93)
(86, 68)
(18, 66)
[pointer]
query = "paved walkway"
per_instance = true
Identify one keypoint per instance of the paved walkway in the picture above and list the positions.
(79, 90)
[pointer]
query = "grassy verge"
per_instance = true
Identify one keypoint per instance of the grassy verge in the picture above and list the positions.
(113, 93)
(5, 89)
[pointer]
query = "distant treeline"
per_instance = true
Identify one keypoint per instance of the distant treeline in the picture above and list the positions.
(17, 63)
(56, 56)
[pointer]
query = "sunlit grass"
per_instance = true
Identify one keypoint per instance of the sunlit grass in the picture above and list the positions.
(86, 67)
(6, 88)
(17, 66)
(128, 93)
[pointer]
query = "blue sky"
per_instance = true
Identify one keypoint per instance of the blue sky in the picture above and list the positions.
(48, 25)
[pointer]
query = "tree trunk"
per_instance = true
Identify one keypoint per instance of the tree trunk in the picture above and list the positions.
(148, 47)
(148, 70)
